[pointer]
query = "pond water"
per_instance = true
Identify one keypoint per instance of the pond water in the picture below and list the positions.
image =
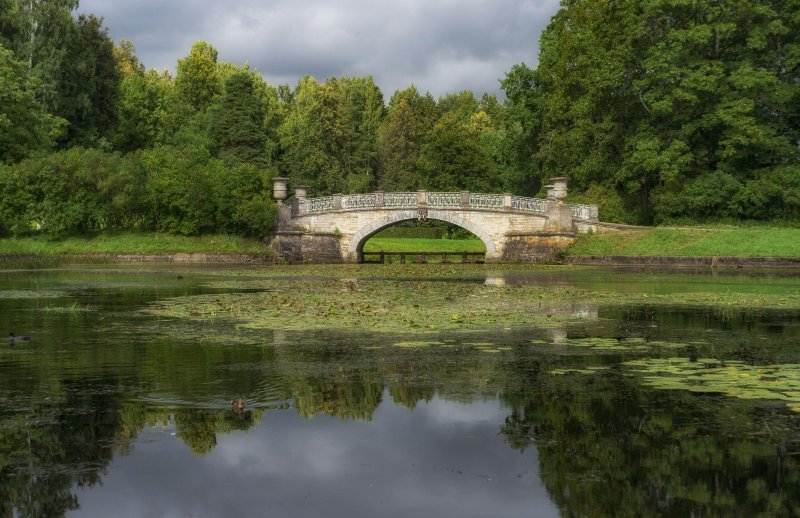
(384, 391)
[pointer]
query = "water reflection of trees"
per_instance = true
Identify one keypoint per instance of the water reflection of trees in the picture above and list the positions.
(609, 447)
(606, 445)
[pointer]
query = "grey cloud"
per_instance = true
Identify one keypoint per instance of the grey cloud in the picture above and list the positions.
(440, 46)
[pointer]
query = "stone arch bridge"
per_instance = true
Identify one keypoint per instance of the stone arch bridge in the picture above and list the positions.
(513, 228)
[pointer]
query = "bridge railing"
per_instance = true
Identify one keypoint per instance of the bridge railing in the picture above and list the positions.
(528, 204)
(485, 201)
(586, 212)
(434, 200)
(359, 201)
(401, 200)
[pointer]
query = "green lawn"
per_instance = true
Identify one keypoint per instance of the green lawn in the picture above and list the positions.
(407, 244)
(130, 242)
(744, 242)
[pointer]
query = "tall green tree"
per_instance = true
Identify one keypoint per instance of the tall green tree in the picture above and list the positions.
(143, 102)
(452, 158)
(24, 128)
(686, 109)
(362, 110)
(198, 79)
(312, 138)
(45, 29)
(237, 122)
(401, 135)
(88, 86)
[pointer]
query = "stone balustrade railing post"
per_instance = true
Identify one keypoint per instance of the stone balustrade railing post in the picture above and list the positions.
(422, 198)
(464, 199)
(337, 201)
(379, 198)
(506, 201)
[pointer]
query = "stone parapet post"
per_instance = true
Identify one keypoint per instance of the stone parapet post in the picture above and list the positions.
(422, 198)
(284, 220)
(506, 201)
(337, 201)
(464, 199)
(559, 217)
(378, 198)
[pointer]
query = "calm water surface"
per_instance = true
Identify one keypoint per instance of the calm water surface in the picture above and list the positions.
(107, 411)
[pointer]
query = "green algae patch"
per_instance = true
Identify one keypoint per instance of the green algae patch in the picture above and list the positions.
(32, 294)
(587, 370)
(375, 305)
(731, 378)
(614, 344)
(417, 344)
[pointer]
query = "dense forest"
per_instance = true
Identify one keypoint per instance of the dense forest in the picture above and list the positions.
(657, 110)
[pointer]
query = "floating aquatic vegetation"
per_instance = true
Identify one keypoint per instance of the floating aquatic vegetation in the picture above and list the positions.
(730, 377)
(417, 344)
(32, 294)
(74, 308)
(377, 305)
(615, 344)
(587, 370)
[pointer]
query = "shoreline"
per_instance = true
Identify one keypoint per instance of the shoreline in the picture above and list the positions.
(176, 257)
(676, 261)
(647, 261)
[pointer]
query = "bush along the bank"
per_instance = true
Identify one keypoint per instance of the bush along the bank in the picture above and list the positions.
(173, 189)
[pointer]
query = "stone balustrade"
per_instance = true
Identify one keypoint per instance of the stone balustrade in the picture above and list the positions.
(435, 200)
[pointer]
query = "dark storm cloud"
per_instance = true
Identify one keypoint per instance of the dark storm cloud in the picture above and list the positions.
(439, 45)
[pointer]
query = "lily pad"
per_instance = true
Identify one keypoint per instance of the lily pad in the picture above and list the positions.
(732, 378)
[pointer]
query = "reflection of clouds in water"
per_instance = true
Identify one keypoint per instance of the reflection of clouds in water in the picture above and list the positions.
(447, 413)
(309, 453)
(443, 459)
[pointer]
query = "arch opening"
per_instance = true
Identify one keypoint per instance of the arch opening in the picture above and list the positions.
(481, 246)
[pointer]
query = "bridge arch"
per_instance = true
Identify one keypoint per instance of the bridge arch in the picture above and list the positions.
(356, 243)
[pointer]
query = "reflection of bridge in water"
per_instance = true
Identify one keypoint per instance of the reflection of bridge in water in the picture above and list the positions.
(512, 228)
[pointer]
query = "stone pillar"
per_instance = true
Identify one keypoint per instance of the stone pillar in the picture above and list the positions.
(279, 188)
(378, 198)
(337, 201)
(464, 199)
(559, 217)
(301, 192)
(559, 187)
(506, 201)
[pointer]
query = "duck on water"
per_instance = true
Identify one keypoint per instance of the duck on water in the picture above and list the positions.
(12, 338)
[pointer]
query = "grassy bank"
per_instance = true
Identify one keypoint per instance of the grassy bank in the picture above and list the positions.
(744, 242)
(130, 243)
(404, 244)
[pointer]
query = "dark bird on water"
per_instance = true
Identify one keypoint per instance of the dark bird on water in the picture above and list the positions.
(12, 338)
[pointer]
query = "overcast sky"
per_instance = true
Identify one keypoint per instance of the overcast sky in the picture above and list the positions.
(439, 45)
